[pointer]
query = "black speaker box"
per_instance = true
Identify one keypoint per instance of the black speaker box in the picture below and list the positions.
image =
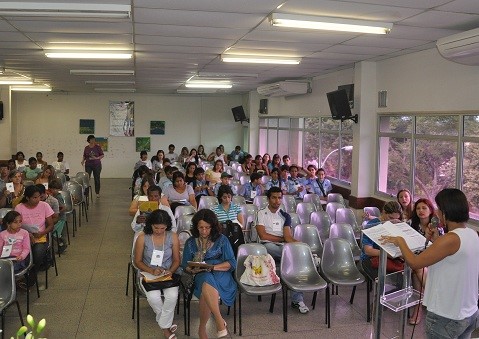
(263, 106)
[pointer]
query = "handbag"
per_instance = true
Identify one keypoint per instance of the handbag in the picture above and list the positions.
(260, 270)
(162, 284)
(187, 281)
(393, 265)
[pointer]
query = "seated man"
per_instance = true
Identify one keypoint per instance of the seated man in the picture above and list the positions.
(253, 188)
(165, 181)
(324, 184)
(143, 161)
(237, 155)
(274, 181)
(61, 165)
(225, 180)
(295, 184)
(200, 185)
(274, 229)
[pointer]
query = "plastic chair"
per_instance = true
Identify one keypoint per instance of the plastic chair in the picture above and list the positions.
(346, 215)
(309, 234)
(290, 203)
(184, 210)
(243, 252)
(345, 231)
(76, 191)
(298, 273)
(51, 254)
(295, 221)
(315, 199)
(85, 180)
(184, 223)
(238, 200)
(322, 221)
(304, 210)
(372, 211)
(331, 208)
(27, 183)
(250, 214)
(4, 211)
(207, 202)
(8, 292)
(260, 201)
(338, 268)
(336, 197)
(67, 198)
(244, 179)
(265, 179)
(60, 176)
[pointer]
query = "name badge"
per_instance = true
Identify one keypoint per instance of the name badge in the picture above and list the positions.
(276, 226)
(253, 194)
(157, 258)
(6, 251)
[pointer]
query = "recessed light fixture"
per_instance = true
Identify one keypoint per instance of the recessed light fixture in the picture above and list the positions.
(196, 91)
(329, 23)
(124, 90)
(89, 55)
(219, 84)
(102, 72)
(31, 88)
(6, 81)
(120, 82)
(78, 10)
(256, 59)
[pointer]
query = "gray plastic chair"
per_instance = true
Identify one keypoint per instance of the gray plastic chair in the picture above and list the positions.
(67, 198)
(250, 214)
(315, 199)
(322, 221)
(260, 201)
(338, 268)
(184, 222)
(4, 211)
(336, 197)
(298, 273)
(76, 191)
(243, 252)
(244, 178)
(331, 208)
(184, 210)
(60, 176)
(290, 203)
(346, 215)
(309, 234)
(372, 211)
(304, 210)
(345, 231)
(238, 200)
(295, 221)
(207, 202)
(8, 292)
(85, 180)
(27, 183)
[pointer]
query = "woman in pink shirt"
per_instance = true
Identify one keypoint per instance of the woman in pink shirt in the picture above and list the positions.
(15, 241)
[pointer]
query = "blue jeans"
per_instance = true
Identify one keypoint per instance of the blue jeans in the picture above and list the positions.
(276, 250)
(438, 327)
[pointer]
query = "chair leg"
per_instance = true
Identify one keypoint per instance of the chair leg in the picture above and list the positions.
(328, 307)
(285, 308)
(352, 295)
(68, 232)
(127, 278)
(271, 306)
(234, 317)
(86, 212)
(133, 295)
(368, 299)
(315, 294)
(3, 324)
(239, 315)
(36, 282)
(137, 315)
(27, 279)
(19, 313)
(54, 261)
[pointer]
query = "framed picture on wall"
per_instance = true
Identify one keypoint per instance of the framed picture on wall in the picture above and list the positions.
(87, 126)
(103, 142)
(157, 127)
(143, 144)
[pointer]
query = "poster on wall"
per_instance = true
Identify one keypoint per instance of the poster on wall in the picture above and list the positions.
(157, 127)
(122, 118)
(103, 142)
(143, 144)
(87, 126)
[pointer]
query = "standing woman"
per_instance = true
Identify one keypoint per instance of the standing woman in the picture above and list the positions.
(156, 238)
(92, 156)
(451, 288)
(404, 198)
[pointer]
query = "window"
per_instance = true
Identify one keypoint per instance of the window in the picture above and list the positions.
(427, 153)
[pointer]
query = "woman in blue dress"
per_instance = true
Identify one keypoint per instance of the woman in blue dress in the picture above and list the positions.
(210, 246)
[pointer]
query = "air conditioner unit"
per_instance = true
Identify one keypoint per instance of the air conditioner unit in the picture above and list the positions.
(462, 48)
(283, 89)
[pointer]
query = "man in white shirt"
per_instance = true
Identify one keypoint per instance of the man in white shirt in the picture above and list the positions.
(274, 229)
(143, 161)
(61, 165)
(171, 153)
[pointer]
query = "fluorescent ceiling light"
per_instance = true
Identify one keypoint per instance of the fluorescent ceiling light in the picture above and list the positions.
(15, 82)
(126, 82)
(254, 59)
(125, 90)
(31, 88)
(329, 23)
(102, 72)
(196, 91)
(226, 75)
(78, 10)
(208, 84)
(88, 55)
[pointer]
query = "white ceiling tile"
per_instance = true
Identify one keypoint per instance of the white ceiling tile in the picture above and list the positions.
(189, 31)
(462, 6)
(384, 41)
(445, 20)
(424, 4)
(73, 26)
(360, 50)
(243, 6)
(182, 41)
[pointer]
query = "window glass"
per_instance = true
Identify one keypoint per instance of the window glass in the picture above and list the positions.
(311, 148)
(311, 123)
(263, 122)
(284, 123)
(437, 125)
(329, 154)
(296, 146)
(347, 126)
(346, 157)
(263, 141)
(272, 140)
(283, 143)
(394, 164)
(471, 126)
(394, 124)
(273, 122)
(329, 124)
(470, 183)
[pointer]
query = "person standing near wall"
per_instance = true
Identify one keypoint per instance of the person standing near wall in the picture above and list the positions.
(92, 155)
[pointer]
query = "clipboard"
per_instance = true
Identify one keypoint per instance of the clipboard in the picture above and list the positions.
(202, 265)
(147, 206)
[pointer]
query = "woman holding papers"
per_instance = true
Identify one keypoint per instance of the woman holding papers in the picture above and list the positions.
(180, 193)
(157, 252)
(451, 289)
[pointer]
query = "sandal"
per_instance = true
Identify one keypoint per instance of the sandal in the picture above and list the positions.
(172, 336)
(173, 328)
(417, 316)
(222, 333)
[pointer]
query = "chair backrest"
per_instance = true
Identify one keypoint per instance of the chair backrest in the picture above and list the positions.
(304, 210)
(238, 200)
(331, 208)
(67, 198)
(85, 180)
(261, 201)
(338, 262)
(184, 222)
(76, 191)
(7, 281)
(372, 211)
(79, 181)
(244, 178)
(315, 199)
(336, 197)
(297, 262)
(345, 231)
(4, 211)
(322, 221)
(250, 214)
(346, 215)
(295, 221)
(237, 186)
(265, 179)
(207, 202)
(27, 183)
(182, 237)
(309, 234)
(184, 210)
(243, 252)
(290, 203)
(60, 176)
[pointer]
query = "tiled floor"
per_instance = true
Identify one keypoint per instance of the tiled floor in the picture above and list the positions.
(87, 299)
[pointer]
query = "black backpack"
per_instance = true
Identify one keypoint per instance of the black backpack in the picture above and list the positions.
(234, 233)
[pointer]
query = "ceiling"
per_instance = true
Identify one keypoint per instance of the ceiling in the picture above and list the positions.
(172, 40)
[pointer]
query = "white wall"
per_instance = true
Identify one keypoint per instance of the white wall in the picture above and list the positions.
(50, 123)
(5, 124)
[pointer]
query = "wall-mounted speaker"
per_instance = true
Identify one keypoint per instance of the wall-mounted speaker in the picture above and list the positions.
(1, 110)
(263, 106)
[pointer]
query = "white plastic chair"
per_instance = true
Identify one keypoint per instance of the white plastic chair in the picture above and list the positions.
(207, 202)
(304, 210)
(261, 201)
(345, 231)
(347, 216)
(322, 221)
(336, 197)
(289, 203)
(331, 208)
(315, 199)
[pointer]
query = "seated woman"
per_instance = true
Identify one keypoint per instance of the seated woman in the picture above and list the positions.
(208, 245)
(193, 157)
(421, 216)
(201, 153)
(138, 175)
(32, 171)
(20, 162)
(143, 161)
(46, 176)
(214, 176)
(183, 157)
(190, 172)
(227, 210)
(180, 193)
(247, 165)
(157, 161)
(42, 164)
(146, 182)
(11, 199)
(157, 237)
(15, 241)
(275, 162)
(258, 166)
(404, 198)
(37, 216)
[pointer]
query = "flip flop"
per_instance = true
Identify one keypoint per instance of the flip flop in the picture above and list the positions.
(173, 328)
